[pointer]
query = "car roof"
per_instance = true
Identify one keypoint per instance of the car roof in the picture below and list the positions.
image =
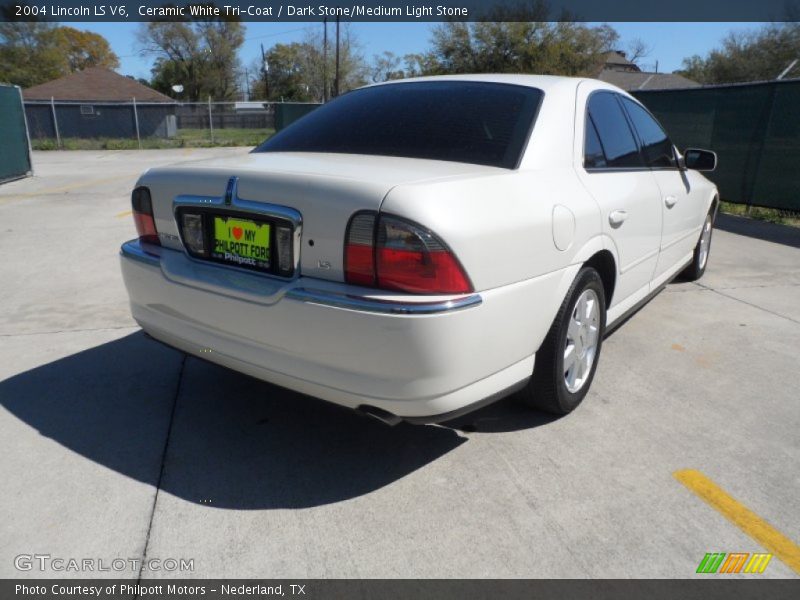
(545, 83)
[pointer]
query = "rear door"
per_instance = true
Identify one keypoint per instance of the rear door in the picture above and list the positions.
(614, 173)
(681, 205)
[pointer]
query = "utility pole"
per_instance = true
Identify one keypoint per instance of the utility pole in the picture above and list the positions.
(264, 72)
(336, 84)
(247, 84)
(325, 60)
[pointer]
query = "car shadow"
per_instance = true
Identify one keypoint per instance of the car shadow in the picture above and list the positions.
(762, 230)
(504, 416)
(224, 439)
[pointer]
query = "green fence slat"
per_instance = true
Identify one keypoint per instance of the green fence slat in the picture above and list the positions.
(15, 160)
(753, 128)
(288, 113)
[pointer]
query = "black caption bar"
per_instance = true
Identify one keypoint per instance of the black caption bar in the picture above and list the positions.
(399, 589)
(406, 10)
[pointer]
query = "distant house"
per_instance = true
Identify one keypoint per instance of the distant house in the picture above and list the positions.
(98, 103)
(618, 70)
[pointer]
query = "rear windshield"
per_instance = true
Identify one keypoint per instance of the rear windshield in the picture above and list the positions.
(461, 121)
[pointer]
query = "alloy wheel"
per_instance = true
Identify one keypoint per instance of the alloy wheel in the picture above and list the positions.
(583, 335)
(705, 242)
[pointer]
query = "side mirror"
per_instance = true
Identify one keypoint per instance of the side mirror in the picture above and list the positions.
(700, 160)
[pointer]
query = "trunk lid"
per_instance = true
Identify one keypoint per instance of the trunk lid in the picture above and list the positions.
(327, 189)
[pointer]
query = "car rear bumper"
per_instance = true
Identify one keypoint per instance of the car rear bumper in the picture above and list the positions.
(412, 357)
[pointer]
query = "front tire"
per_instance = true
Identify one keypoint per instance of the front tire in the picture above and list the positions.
(697, 267)
(567, 360)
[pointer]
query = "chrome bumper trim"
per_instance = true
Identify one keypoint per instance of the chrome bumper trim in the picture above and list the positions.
(382, 306)
(151, 256)
(144, 253)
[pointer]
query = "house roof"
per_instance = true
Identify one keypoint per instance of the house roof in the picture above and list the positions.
(636, 80)
(616, 60)
(94, 85)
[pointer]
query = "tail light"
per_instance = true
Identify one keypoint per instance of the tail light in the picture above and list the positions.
(394, 254)
(142, 205)
(359, 253)
(194, 235)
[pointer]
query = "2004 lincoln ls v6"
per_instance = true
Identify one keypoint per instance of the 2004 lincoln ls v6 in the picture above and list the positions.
(416, 249)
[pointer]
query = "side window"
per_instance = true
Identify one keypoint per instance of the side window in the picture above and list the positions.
(594, 157)
(614, 133)
(655, 144)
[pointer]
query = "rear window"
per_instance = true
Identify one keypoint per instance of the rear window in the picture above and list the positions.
(461, 121)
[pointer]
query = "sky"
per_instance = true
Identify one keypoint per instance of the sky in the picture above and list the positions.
(670, 42)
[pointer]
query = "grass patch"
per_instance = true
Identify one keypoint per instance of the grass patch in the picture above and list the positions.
(772, 215)
(186, 138)
(224, 137)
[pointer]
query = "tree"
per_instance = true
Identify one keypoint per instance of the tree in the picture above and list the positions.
(562, 48)
(286, 79)
(28, 53)
(638, 49)
(84, 49)
(36, 52)
(385, 67)
(201, 56)
(747, 56)
(419, 64)
(319, 75)
(141, 80)
(298, 72)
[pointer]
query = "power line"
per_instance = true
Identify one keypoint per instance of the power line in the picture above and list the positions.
(268, 35)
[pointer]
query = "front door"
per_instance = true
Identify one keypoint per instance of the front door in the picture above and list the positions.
(679, 202)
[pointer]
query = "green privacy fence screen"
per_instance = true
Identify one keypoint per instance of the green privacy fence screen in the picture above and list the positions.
(287, 113)
(15, 158)
(753, 128)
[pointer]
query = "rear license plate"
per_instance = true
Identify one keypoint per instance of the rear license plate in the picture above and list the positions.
(241, 242)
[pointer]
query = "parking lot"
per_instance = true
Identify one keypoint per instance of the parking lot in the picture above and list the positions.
(114, 446)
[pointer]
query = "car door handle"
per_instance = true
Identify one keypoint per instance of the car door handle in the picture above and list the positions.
(670, 201)
(617, 217)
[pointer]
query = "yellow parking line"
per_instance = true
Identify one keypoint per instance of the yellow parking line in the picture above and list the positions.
(65, 188)
(124, 213)
(741, 516)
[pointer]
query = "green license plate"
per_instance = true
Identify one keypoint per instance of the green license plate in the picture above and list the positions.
(241, 242)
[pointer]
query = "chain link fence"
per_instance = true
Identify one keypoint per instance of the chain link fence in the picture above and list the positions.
(131, 125)
(755, 130)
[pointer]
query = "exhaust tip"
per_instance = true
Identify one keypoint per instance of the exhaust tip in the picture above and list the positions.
(384, 416)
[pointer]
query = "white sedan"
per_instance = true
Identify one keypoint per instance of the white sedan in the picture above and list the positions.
(416, 249)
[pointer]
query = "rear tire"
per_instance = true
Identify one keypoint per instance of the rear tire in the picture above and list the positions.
(702, 250)
(567, 360)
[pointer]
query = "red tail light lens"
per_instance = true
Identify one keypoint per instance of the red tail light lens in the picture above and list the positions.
(359, 251)
(142, 205)
(412, 259)
(405, 257)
